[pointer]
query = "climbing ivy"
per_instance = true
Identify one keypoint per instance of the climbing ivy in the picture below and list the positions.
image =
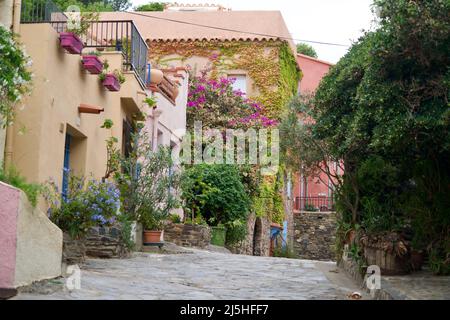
(272, 67)
(270, 64)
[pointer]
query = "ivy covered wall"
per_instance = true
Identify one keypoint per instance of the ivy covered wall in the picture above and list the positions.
(274, 76)
(271, 65)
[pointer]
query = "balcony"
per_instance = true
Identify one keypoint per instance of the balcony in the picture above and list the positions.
(167, 88)
(120, 35)
(317, 203)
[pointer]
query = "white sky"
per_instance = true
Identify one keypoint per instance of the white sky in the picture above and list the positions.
(336, 21)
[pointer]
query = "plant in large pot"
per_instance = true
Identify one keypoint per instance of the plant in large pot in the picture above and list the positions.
(92, 63)
(111, 80)
(77, 27)
(148, 182)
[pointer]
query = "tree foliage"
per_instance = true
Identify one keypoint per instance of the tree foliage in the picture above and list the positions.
(217, 192)
(307, 50)
(383, 112)
(151, 6)
(95, 5)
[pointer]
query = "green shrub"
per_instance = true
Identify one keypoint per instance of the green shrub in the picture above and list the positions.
(126, 229)
(175, 218)
(86, 204)
(236, 232)
(12, 176)
(215, 192)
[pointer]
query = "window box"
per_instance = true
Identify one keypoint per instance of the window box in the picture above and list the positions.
(111, 82)
(70, 42)
(92, 64)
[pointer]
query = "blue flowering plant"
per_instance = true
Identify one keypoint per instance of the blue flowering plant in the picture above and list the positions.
(86, 203)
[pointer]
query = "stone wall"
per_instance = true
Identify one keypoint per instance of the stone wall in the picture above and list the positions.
(106, 242)
(314, 235)
(74, 250)
(187, 235)
(257, 241)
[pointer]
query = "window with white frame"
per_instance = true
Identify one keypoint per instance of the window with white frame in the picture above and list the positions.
(240, 82)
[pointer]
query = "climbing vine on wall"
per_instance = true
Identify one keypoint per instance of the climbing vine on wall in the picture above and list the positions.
(270, 64)
(274, 72)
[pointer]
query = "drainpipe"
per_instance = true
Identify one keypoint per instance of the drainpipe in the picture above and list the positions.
(10, 128)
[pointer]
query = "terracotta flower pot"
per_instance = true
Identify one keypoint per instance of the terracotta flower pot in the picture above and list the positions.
(70, 42)
(152, 236)
(156, 76)
(111, 82)
(92, 64)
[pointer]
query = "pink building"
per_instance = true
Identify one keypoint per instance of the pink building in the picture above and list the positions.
(312, 191)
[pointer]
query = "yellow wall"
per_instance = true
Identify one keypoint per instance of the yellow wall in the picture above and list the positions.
(59, 86)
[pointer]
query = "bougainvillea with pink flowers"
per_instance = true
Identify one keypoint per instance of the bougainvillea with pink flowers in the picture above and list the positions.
(218, 105)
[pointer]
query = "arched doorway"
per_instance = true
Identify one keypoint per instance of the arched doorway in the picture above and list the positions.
(257, 237)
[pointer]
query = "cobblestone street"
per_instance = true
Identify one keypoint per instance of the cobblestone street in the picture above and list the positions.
(205, 275)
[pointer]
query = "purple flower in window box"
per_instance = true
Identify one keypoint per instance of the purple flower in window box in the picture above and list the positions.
(111, 82)
(70, 42)
(92, 64)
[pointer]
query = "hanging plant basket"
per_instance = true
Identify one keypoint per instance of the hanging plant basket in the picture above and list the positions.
(92, 64)
(70, 42)
(111, 82)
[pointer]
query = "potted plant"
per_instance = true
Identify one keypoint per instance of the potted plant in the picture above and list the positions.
(149, 193)
(153, 224)
(71, 42)
(111, 81)
(76, 28)
(92, 63)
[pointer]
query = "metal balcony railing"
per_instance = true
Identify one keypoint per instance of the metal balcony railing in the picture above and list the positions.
(117, 35)
(317, 203)
(37, 11)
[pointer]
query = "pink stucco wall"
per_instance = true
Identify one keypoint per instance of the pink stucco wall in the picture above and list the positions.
(9, 209)
(313, 71)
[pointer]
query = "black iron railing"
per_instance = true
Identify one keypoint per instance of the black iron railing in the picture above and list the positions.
(35, 11)
(318, 203)
(114, 35)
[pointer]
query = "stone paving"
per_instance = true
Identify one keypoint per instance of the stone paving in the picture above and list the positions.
(202, 274)
(417, 286)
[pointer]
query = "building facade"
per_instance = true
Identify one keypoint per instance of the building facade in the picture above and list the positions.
(59, 128)
(312, 193)
(253, 47)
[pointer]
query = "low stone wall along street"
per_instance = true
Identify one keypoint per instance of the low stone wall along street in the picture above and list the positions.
(106, 242)
(30, 244)
(314, 235)
(257, 240)
(187, 235)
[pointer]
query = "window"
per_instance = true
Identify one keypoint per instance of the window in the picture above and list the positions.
(127, 132)
(240, 83)
(66, 167)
